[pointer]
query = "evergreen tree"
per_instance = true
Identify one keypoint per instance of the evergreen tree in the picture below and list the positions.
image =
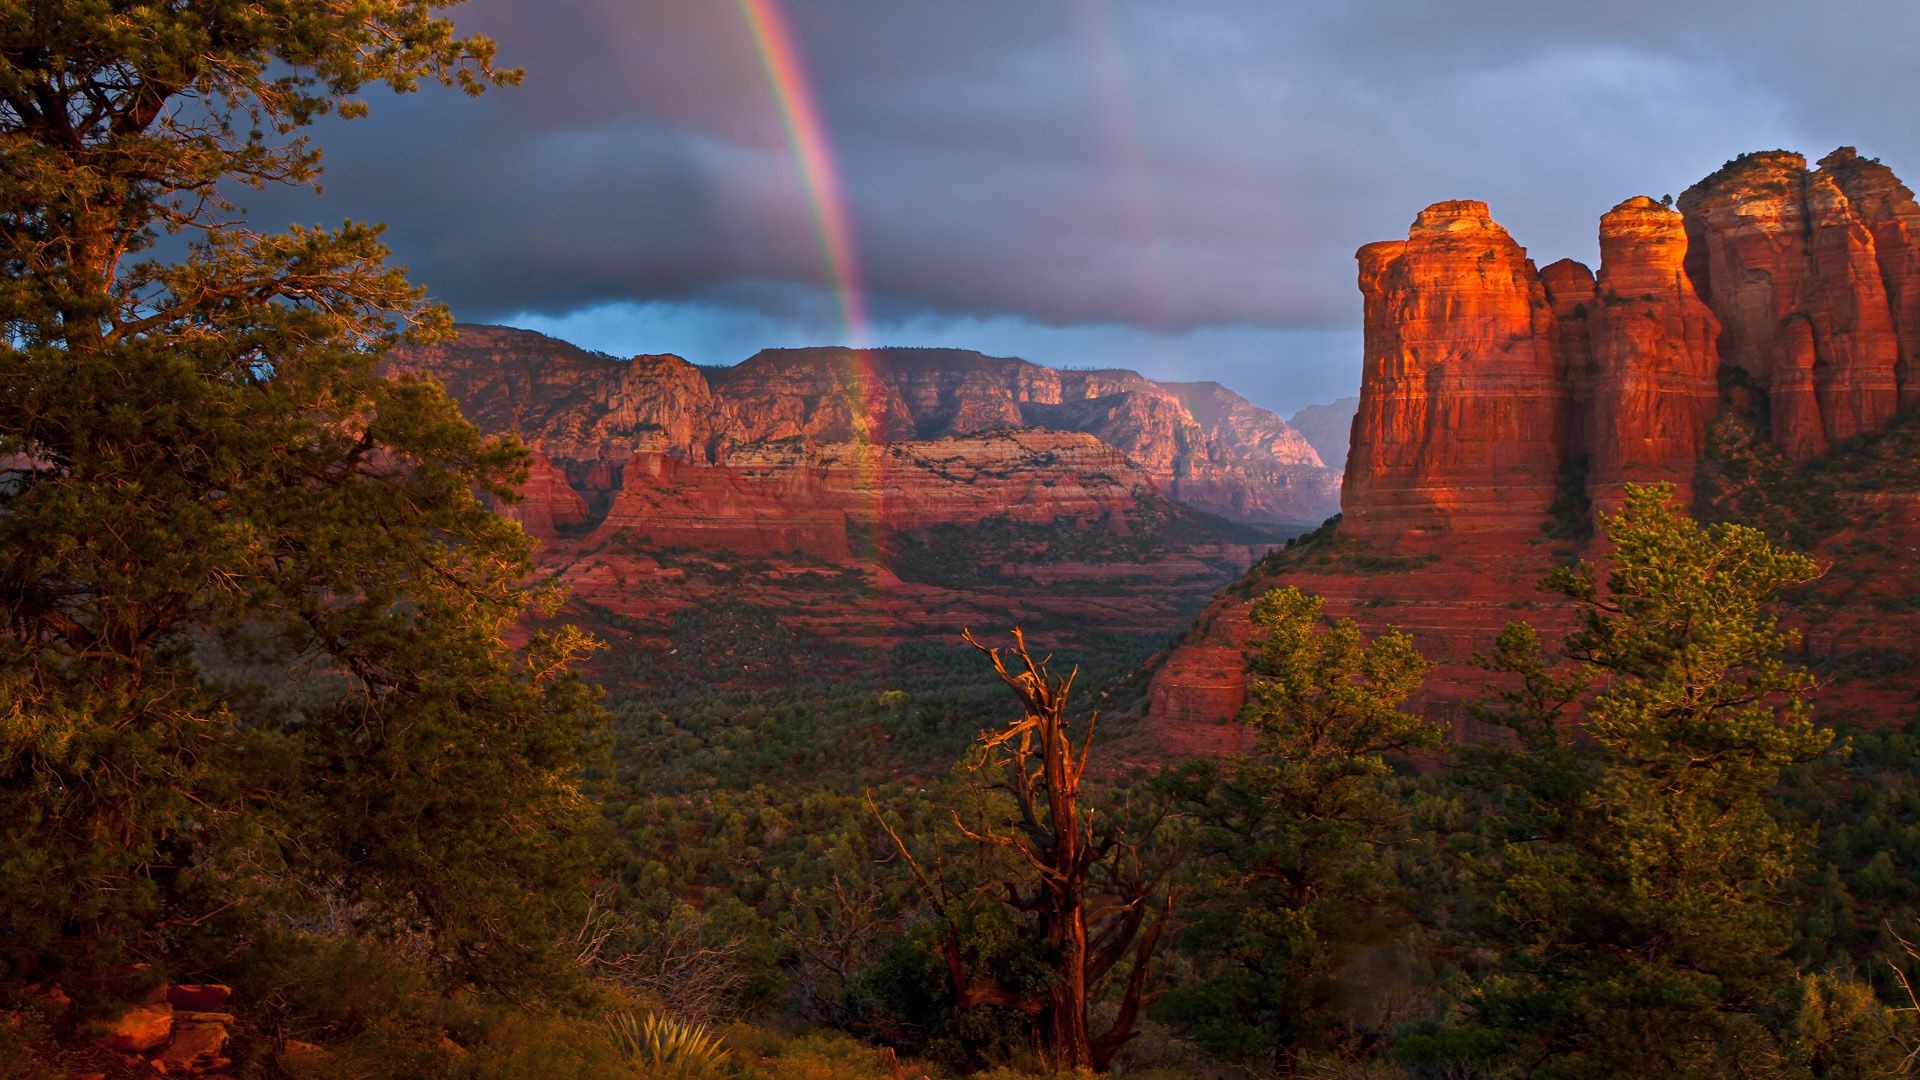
(1291, 838)
(1636, 925)
(253, 658)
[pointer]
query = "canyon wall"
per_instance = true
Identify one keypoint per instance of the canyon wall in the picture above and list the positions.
(1815, 277)
(1199, 443)
(874, 497)
(1328, 429)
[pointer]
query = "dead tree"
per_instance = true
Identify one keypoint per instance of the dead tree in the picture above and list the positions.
(1087, 894)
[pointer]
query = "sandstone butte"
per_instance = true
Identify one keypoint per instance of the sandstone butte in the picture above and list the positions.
(870, 497)
(1502, 405)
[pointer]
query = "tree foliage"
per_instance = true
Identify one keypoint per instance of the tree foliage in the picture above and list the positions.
(1637, 927)
(1290, 839)
(255, 657)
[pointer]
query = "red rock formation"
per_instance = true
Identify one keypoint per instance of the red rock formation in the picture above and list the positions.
(548, 504)
(1201, 443)
(1462, 404)
(1574, 298)
(1794, 400)
(876, 542)
(1854, 380)
(657, 486)
(1783, 289)
(793, 496)
(769, 502)
(1746, 229)
(1890, 212)
(1651, 341)
(1815, 313)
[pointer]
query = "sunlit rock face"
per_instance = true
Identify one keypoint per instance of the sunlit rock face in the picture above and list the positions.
(878, 496)
(1200, 443)
(1650, 357)
(1489, 390)
(1813, 274)
(548, 503)
(1501, 407)
(1887, 208)
(1463, 406)
(798, 496)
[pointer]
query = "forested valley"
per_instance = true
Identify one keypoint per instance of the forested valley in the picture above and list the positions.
(306, 769)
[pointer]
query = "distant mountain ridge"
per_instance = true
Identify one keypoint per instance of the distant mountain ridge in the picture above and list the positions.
(866, 500)
(1328, 429)
(1200, 443)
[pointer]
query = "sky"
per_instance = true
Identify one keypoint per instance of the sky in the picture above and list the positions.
(1176, 188)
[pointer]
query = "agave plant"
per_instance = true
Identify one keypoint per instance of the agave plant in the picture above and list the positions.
(669, 1047)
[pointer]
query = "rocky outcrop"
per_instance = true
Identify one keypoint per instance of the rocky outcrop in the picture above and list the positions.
(1648, 373)
(1893, 217)
(1463, 407)
(1493, 394)
(1500, 406)
(175, 1032)
(548, 503)
(1813, 275)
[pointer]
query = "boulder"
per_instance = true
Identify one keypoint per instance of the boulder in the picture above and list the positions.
(198, 1043)
(199, 997)
(140, 1029)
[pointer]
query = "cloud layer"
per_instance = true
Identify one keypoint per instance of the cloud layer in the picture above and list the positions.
(1180, 185)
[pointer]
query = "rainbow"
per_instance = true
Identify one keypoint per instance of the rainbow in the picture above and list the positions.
(779, 53)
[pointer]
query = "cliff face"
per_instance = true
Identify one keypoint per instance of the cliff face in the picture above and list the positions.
(1648, 373)
(873, 497)
(1500, 406)
(1489, 390)
(1198, 442)
(874, 543)
(1813, 275)
(1462, 406)
(1328, 429)
(796, 496)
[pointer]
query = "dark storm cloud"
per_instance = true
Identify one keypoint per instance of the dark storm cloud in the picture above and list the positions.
(1170, 167)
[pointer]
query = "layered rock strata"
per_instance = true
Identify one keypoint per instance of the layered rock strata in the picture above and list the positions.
(1815, 276)
(1501, 406)
(1199, 442)
(1462, 404)
(1491, 392)
(870, 498)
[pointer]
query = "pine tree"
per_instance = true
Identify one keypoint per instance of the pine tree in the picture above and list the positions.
(1293, 879)
(1637, 928)
(255, 656)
